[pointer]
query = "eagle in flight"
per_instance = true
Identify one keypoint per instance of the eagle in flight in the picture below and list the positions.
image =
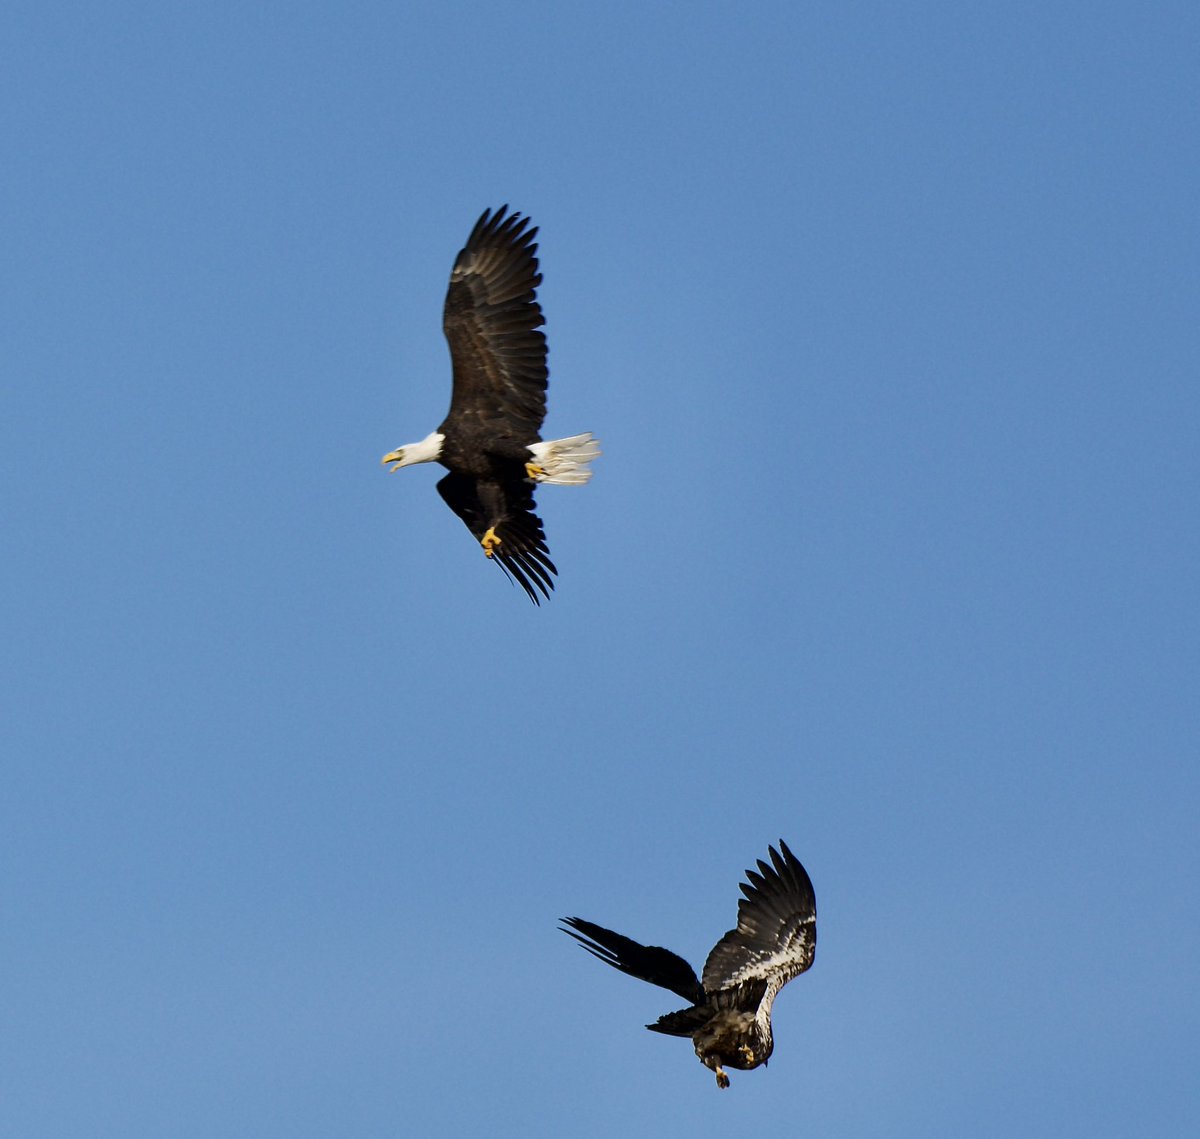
(490, 440)
(729, 1015)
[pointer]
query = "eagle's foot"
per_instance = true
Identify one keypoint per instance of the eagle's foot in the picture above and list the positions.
(722, 1078)
(534, 472)
(489, 541)
(747, 1052)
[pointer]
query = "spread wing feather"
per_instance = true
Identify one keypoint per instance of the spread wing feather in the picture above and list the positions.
(491, 320)
(646, 962)
(522, 553)
(776, 934)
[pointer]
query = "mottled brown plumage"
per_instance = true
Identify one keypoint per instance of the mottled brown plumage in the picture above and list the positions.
(729, 1018)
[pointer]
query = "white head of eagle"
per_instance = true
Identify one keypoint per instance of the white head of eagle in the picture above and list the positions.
(490, 440)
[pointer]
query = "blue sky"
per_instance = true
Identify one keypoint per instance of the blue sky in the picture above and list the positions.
(886, 317)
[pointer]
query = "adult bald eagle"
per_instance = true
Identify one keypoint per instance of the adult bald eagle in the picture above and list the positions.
(729, 1020)
(490, 438)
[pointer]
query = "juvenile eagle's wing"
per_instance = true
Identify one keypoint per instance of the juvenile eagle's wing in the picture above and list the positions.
(776, 934)
(522, 553)
(491, 318)
(646, 962)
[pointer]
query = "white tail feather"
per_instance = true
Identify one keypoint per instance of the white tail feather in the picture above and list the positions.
(564, 462)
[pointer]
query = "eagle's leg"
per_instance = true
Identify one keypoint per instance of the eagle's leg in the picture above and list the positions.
(489, 541)
(713, 1060)
(534, 471)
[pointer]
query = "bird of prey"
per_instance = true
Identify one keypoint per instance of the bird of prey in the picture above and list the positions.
(490, 440)
(729, 1016)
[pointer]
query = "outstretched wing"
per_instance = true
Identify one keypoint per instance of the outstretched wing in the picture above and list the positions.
(776, 934)
(491, 320)
(646, 962)
(522, 553)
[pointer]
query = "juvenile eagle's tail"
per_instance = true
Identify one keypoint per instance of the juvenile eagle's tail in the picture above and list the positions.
(563, 462)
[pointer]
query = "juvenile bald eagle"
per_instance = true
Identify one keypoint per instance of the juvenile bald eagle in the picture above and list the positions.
(490, 438)
(729, 1020)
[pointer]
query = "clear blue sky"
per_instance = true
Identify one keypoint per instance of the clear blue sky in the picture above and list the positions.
(886, 315)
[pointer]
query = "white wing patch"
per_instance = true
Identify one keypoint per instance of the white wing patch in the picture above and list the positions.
(776, 934)
(739, 962)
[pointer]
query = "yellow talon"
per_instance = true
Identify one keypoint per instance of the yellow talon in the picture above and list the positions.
(532, 470)
(722, 1079)
(489, 541)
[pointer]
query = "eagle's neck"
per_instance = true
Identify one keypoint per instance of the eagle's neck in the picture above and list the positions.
(426, 451)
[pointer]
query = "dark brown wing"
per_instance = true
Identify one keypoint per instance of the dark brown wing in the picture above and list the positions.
(491, 320)
(776, 934)
(646, 962)
(522, 553)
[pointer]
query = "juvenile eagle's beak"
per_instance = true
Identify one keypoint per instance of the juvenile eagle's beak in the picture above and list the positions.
(396, 456)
